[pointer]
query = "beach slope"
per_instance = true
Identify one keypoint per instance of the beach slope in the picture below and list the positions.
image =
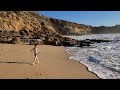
(15, 63)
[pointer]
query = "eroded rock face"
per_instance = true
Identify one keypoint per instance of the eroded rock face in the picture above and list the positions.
(34, 22)
(17, 20)
(30, 24)
(70, 28)
(20, 20)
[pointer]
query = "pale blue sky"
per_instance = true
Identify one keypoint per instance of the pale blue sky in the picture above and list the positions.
(94, 18)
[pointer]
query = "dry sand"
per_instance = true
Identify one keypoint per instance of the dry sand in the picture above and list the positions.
(54, 64)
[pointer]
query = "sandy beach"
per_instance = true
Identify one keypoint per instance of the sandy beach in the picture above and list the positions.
(15, 63)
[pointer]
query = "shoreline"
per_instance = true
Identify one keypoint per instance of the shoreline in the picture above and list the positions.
(83, 65)
(54, 63)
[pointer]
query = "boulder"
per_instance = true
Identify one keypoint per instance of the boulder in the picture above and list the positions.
(16, 40)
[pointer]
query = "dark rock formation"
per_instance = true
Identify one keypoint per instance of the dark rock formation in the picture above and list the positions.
(30, 24)
(96, 40)
(16, 40)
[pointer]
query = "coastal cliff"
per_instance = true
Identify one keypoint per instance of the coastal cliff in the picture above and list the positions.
(70, 28)
(106, 29)
(32, 25)
(31, 21)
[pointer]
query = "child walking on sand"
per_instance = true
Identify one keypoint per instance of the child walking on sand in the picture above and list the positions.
(36, 52)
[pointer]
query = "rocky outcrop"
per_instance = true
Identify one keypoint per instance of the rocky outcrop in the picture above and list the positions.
(65, 41)
(24, 20)
(17, 20)
(30, 24)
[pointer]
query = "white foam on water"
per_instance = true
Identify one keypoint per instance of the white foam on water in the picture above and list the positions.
(103, 58)
(97, 36)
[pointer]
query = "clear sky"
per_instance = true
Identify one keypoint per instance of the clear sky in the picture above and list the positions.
(94, 18)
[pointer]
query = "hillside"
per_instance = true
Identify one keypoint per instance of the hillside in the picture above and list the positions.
(105, 29)
(32, 21)
(31, 25)
(69, 28)
(20, 20)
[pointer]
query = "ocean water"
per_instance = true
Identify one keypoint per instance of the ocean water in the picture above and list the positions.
(103, 59)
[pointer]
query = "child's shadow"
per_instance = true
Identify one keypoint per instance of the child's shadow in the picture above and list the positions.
(15, 62)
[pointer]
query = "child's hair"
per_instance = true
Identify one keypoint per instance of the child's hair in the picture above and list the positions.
(36, 44)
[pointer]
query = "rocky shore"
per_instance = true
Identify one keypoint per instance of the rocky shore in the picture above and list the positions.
(30, 27)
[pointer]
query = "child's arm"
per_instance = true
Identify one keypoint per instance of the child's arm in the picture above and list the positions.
(30, 50)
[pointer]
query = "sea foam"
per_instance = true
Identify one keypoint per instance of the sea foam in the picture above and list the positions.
(102, 58)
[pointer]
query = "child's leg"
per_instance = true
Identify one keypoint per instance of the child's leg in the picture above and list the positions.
(37, 59)
(34, 60)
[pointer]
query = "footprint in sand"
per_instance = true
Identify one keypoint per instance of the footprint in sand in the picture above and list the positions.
(42, 73)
